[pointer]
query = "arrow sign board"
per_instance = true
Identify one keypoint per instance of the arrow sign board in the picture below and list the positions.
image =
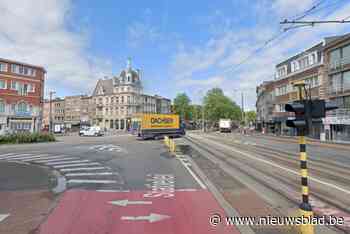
(3, 217)
(150, 218)
(127, 202)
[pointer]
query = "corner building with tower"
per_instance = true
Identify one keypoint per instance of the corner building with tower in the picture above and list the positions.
(116, 101)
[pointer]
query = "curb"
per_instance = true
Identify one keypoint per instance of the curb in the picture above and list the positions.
(229, 210)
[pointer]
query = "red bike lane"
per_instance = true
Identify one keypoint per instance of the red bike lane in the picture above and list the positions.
(135, 212)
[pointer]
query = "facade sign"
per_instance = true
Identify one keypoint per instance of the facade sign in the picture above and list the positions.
(344, 120)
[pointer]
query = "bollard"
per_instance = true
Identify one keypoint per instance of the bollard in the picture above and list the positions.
(305, 208)
(172, 145)
(166, 140)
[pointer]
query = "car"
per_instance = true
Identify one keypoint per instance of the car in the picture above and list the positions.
(91, 131)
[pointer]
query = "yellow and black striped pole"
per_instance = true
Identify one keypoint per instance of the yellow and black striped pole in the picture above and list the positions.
(305, 207)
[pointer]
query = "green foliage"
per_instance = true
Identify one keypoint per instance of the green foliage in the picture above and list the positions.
(182, 106)
(195, 112)
(250, 116)
(218, 106)
(20, 138)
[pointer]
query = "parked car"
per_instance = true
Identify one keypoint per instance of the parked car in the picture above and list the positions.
(91, 131)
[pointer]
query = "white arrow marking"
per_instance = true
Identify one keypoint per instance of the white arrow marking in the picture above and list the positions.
(127, 202)
(150, 218)
(3, 217)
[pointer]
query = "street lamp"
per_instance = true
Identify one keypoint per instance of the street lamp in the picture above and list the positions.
(51, 93)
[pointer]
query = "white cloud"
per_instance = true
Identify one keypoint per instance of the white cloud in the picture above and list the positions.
(226, 50)
(210, 82)
(37, 34)
(138, 33)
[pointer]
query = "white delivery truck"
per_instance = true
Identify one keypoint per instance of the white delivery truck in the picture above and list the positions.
(225, 125)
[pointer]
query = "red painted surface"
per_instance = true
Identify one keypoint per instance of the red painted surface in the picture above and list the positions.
(85, 212)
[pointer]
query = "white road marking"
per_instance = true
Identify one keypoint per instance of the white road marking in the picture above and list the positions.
(90, 174)
(150, 218)
(162, 185)
(82, 169)
(17, 155)
(91, 181)
(186, 190)
(66, 161)
(52, 160)
(278, 166)
(3, 217)
(112, 191)
(3, 155)
(43, 157)
(77, 165)
(29, 157)
(127, 202)
(193, 174)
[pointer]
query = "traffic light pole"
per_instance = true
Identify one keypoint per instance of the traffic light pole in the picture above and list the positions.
(305, 208)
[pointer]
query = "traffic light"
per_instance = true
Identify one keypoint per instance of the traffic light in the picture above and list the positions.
(300, 109)
(307, 112)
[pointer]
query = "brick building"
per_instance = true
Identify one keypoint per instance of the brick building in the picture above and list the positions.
(337, 67)
(307, 66)
(21, 96)
(325, 70)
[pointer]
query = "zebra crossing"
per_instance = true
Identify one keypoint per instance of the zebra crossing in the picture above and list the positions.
(82, 173)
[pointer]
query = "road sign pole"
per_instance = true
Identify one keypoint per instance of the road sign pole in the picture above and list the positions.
(305, 208)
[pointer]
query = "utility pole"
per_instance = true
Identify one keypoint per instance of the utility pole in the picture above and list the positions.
(242, 107)
(203, 122)
(51, 93)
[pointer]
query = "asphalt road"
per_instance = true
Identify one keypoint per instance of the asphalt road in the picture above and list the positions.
(114, 184)
(267, 168)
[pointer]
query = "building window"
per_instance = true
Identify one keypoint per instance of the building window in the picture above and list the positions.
(281, 90)
(335, 83)
(346, 80)
(14, 85)
(3, 84)
(3, 67)
(2, 106)
(346, 52)
(22, 107)
(313, 58)
(31, 88)
(23, 70)
(281, 71)
(334, 56)
(117, 99)
(122, 99)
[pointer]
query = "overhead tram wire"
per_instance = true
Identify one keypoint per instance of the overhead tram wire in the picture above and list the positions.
(277, 35)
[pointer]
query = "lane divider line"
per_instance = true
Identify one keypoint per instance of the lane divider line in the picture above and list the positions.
(201, 184)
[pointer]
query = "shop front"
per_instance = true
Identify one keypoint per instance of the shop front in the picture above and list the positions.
(337, 128)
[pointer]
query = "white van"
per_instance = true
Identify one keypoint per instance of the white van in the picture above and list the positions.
(91, 131)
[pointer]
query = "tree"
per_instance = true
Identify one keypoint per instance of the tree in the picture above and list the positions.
(250, 116)
(218, 106)
(182, 106)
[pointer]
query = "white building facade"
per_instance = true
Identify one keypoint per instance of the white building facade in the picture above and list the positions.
(116, 100)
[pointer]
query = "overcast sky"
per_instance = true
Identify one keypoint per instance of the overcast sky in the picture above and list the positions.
(180, 46)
